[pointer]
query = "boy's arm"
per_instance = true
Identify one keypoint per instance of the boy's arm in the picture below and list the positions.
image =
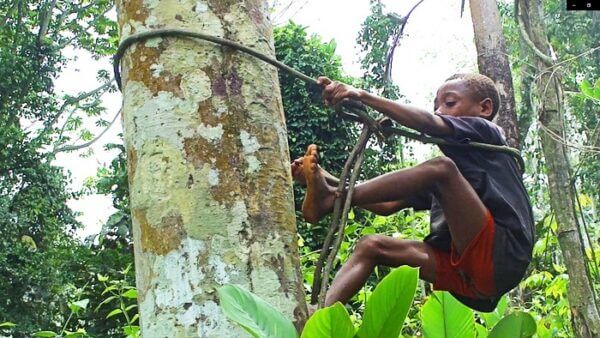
(409, 116)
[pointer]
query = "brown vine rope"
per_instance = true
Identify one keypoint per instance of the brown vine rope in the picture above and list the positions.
(355, 111)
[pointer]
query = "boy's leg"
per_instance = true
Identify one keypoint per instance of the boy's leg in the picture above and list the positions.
(382, 208)
(463, 209)
(379, 250)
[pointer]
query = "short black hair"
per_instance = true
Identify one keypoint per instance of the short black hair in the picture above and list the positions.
(481, 87)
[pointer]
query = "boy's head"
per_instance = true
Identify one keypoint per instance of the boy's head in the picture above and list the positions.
(468, 95)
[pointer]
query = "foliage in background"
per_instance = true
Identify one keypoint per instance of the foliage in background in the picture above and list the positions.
(376, 41)
(40, 262)
(308, 120)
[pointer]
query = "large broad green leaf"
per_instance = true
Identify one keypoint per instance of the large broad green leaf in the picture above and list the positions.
(481, 331)
(517, 324)
(388, 305)
(329, 322)
(255, 315)
(445, 317)
(492, 318)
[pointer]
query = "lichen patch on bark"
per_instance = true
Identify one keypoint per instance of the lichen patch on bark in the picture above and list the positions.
(196, 86)
(147, 69)
(153, 117)
(163, 239)
(131, 10)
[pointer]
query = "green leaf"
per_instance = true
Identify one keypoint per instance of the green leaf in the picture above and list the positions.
(518, 324)
(114, 312)
(329, 322)
(109, 288)
(388, 305)
(252, 313)
(350, 228)
(78, 305)
(481, 331)
(7, 324)
(102, 278)
(79, 333)
(586, 87)
(543, 331)
(589, 90)
(492, 318)
(45, 334)
(445, 317)
(131, 293)
(131, 330)
(105, 302)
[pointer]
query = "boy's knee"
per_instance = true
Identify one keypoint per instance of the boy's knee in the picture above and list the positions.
(444, 167)
(370, 246)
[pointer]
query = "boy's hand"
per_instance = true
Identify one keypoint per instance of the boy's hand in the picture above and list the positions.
(334, 91)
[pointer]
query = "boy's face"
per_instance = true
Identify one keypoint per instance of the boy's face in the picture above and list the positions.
(455, 99)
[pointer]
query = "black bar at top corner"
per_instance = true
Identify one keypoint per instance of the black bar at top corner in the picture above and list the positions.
(583, 5)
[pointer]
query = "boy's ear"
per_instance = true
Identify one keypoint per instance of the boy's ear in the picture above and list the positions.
(487, 107)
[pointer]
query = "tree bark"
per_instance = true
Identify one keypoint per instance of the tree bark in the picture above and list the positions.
(492, 61)
(582, 300)
(208, 164)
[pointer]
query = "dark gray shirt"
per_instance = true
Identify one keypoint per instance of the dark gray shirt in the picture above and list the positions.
(496, 179)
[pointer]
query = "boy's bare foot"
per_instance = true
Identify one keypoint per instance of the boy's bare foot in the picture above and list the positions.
(319, 197)
(298, 172)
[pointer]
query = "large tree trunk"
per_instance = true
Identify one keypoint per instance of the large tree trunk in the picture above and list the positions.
(585, 318)
(492, 61)
(208, 163)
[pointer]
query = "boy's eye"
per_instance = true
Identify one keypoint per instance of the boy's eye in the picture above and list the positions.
(450, 103)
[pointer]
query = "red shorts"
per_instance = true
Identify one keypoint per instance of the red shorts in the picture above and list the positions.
(472, 273)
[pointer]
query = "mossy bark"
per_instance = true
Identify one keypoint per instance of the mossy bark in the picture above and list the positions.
(492, 61)
(208, 165)
(582, 299)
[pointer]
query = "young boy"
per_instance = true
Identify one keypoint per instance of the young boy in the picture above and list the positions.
(481, 220)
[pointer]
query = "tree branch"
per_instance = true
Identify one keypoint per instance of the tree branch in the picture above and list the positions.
(387, 74)
(45, 17)
(71, 101)
(525, 35)
(357, 158)
(87, 144)
(90, 25)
